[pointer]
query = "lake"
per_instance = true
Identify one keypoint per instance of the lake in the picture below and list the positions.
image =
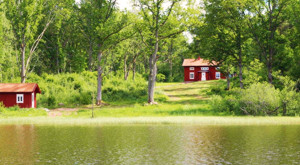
(149, 144)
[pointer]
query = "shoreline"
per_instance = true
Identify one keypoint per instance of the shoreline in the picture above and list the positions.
(181, 120)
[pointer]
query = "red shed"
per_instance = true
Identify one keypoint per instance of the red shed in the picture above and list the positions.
(201, 70)
(23, 95)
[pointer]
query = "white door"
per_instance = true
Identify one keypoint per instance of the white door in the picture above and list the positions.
(32, 100)
(203, 77)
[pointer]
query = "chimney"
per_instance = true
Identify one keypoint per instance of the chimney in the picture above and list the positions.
(198, 58)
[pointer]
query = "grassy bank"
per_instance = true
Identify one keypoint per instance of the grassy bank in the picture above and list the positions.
(182, 100)
(154, 120)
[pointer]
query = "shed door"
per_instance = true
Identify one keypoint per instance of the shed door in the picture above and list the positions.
(203, 78)
(32, 100)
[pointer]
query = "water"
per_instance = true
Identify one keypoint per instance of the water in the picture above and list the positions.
(149, 144)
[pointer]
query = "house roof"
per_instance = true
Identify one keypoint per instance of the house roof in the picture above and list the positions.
(198, 62)
(19, 88)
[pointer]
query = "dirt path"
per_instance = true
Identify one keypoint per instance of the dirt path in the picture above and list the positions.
(61, 111)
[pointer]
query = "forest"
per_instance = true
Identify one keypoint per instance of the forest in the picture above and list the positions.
(83, 50)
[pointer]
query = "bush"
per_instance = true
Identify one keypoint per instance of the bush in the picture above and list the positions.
(117, 89)
(160, 77)
(260, 99)
(228, 104)
(289, 98)
(78, 89)
(219, 89)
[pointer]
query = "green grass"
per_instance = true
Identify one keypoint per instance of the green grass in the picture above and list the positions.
(192, 120)
(182, 100)
(186, 104)
(17, 112)
(174, 99)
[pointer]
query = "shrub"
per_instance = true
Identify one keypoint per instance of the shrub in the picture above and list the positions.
(116, 89)
(254, 73)
(51, 101)
(160, 77)
(219, 89)
(260, 99)
(289, 98)
(228, 104)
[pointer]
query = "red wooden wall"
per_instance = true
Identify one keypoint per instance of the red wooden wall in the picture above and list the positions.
(210, 75)
(10, 100)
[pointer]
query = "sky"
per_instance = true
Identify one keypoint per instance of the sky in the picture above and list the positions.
(124, 4)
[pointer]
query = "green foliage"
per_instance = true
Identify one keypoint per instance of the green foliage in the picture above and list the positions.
(115, 89)
(160, 77)
(260, 99)
(253, 73)
(228, 104)
(65, 89)
(289, 98)
(219, 89)
(8, 64)
(80, 89)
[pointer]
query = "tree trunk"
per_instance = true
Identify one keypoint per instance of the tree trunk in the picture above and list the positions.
(99, 82)
(152, 75)
(171, 61)
(125, 68)
(270, 65)
(23, 69)
(133, 67)
(284, 109)
(91, 57)
(171, 70)
(228, 82)
(240, 60)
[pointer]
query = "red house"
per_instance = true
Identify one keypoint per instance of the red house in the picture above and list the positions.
(23, 95)
(201, 70)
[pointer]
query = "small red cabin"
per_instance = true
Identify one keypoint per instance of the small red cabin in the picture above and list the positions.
(22, 95)
(201, 70)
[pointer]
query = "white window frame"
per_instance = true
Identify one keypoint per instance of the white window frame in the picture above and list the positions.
(218, 73)
(22, 98)
(204, 68)
(192, 68)
(192, 73)
(217, 68)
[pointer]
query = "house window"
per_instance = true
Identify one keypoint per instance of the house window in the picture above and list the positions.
(218, 68)
(192, 75)
(204, 68)
(192, 68)
(20, 98)
(218, 75)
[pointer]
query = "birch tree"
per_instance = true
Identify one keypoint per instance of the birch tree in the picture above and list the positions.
(109, 28)
(161, 20)
(26, 19)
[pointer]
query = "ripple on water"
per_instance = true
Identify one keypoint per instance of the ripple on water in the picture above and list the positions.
(149, 144)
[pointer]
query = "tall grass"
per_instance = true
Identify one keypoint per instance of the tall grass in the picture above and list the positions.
(71, 90)
(226, 121)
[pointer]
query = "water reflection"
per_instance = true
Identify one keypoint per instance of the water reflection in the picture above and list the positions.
(149, 144)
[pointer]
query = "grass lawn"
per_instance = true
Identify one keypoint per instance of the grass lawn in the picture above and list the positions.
(184, 99)
(186, 104)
